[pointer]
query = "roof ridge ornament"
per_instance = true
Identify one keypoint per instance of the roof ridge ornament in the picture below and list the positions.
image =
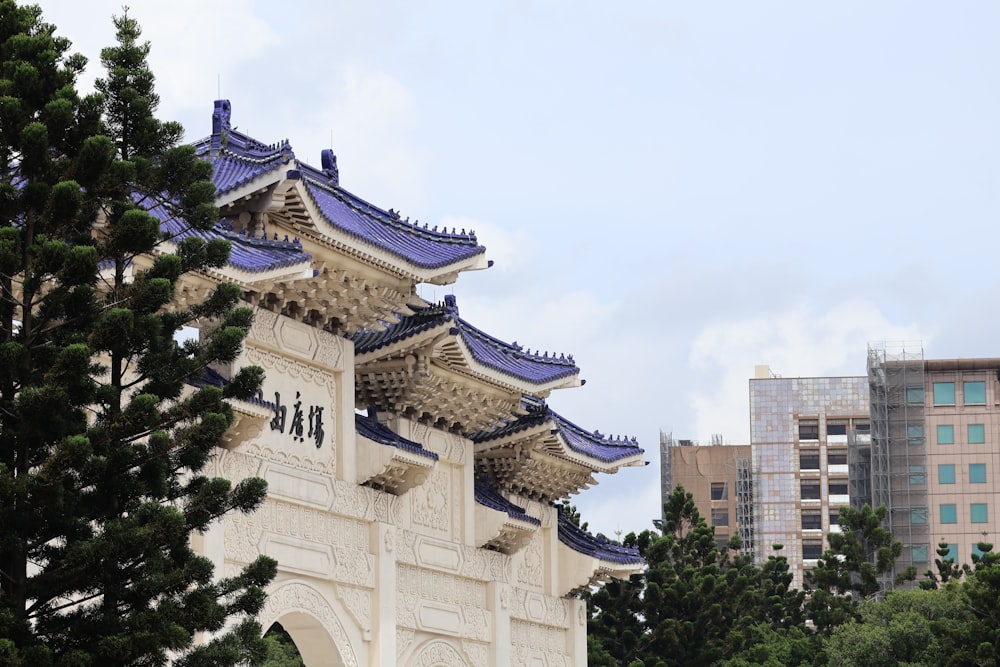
(328, 161)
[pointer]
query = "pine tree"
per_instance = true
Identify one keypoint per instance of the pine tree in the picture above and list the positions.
(860, 555)
(103, 442)
(696, 604)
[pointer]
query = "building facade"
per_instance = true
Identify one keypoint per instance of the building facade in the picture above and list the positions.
(411, 459)
(802, 433)
(719, 479)
(934, 453)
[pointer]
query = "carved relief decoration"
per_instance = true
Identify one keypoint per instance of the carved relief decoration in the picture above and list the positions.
(348, 537)
(538, 608)
(358, 603)
(529, 571)
(476, 652)
(330, 352)
(438, 653)
(298, 597)
(530, 640)
(414, 585)
(262, 330)
(404, 638)
(475, 563)
(431, 501)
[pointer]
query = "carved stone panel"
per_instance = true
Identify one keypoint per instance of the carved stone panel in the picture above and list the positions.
(534, 644)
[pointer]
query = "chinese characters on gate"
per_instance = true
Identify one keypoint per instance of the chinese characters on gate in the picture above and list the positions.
(315, 432)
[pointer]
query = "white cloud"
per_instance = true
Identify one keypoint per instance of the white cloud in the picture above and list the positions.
(799, 342)
(370, 117)
(195, 45)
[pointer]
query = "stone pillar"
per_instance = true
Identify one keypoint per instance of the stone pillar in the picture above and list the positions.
(498, 598)
(383, 644)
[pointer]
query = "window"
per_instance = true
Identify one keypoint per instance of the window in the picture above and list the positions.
(918, 553)
(915, 395)
(946, 434)
(836, 427)
(948, 513)
(978, 513)
(809, 459)
(720, 516)
(838, 487)
(944, 393)
(917, 476)
(719, 491)
(721, 542)
(915, 434)
(976, 551)
(812, 519)
(951, 554)
(812, 549)
(835, 516)
(808, 429)
(977, 473)
(974, 393)
(864, 427)
(837, 457)
(918, 516)
(946, 473)
(810, 489)
(977, 434)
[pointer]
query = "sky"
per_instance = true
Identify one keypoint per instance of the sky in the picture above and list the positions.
(673, 192)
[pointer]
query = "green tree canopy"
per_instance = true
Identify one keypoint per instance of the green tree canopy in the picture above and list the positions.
(102, 447)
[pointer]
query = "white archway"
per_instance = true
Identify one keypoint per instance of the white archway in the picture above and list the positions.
(311, 621)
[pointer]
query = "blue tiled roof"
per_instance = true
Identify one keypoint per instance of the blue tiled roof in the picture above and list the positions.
(509, 359)
(238, 159)
(248, 253)
(597, 546)
(371, 428)
(594, 444)
(488, 497)
(426, 248)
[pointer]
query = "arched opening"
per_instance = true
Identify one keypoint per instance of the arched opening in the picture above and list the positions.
(281, 649)
(298, 639)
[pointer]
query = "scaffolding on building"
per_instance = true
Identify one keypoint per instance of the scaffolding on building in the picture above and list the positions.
(744, 504)
(898, 450)
(666, 474)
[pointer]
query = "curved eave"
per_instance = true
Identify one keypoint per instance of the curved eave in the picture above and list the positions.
(372, 253)
(545, 438)
(245, 278)
(508, 378)
(274, 170)
(586, 560)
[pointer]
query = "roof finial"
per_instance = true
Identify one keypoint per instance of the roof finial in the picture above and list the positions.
(221, 116)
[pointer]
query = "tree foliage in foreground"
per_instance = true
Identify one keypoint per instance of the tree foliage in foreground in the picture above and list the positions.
(697, 605)
(102, 449)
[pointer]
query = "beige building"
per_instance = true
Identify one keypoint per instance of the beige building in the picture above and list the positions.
(934, 454)
(719, 479)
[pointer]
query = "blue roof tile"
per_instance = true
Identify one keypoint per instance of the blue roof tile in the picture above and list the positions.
(238, 159)
(604, 448)
(426, 248)
(371, 428)
(598, 546)
(248, 253)
(502, 357)
(488, 497)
